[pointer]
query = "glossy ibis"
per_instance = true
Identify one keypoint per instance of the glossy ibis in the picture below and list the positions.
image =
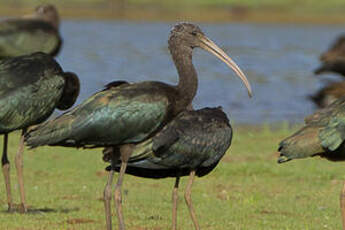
(191, 144)
(333, 60)
(31, 87)
(330, 93)
(32, 33)
(323, 135)
(125, 114)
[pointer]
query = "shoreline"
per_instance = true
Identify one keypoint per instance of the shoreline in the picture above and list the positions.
(200, 14)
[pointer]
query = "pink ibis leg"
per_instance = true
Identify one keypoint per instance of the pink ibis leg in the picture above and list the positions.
(126, 152)
(107, 199)
(6, 171)
(188, 199)
(19, 167)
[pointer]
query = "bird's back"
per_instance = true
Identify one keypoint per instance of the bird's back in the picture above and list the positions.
(26, 36)
(127, 113)
(193, 140)
(30, 88)
(323, 135)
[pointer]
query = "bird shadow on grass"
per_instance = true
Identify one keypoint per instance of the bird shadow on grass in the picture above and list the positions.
(34, 211)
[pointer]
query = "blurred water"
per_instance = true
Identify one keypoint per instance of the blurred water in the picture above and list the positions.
(277, 59)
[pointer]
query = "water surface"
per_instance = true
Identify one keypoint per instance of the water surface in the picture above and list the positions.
(278, 60)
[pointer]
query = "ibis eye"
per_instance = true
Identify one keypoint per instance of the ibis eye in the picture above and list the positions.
(194, 33)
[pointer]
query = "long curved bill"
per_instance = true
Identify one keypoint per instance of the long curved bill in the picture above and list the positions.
(211, 47)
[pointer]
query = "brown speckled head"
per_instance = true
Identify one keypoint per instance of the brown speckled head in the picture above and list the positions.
(187, 34)
(70, 91)
(48, 13)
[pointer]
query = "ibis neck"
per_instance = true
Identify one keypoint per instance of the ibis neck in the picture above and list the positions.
(188, 79)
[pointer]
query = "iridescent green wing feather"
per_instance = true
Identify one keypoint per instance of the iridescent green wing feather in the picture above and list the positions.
(203, 138)
(322, 134)
(192, 139)
(30, 104)
(124, 114)
(333, 134)
(30, 87)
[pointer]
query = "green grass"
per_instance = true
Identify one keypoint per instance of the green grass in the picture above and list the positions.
(57, 2)
(248, 190)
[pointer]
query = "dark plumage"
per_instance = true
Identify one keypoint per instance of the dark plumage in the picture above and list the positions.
(333, 60)
(191, 144)
(32, 33)
(194, 140)
(323, 135)
(124, 115)
(31, 87)
(330, 93)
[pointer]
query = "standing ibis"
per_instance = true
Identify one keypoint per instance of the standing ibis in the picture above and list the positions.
(38, 32)
(124, 115)
(191, 144)
(31, 87)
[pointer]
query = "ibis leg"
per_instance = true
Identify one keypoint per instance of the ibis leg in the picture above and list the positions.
(188, 199)
(125, 154)
(19, 167)
(342, 205)
(107, 199)
(175, 200)
(6, 171)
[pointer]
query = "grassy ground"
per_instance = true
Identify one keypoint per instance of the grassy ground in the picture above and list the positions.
(289, 11)
(248, 190)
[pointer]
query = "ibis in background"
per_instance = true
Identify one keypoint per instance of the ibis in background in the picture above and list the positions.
(31, 87)
(333, 60)
(38, 32)
(126, 114)
(322, 135)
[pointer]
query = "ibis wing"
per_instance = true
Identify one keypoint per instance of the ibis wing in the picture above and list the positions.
(30, 87)
(192, 138)
(322, 116)
(25, 70)
(116, 116)
(30, 105)
(19, 37)
(333, 135)
(155, 146)
(332, 123)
